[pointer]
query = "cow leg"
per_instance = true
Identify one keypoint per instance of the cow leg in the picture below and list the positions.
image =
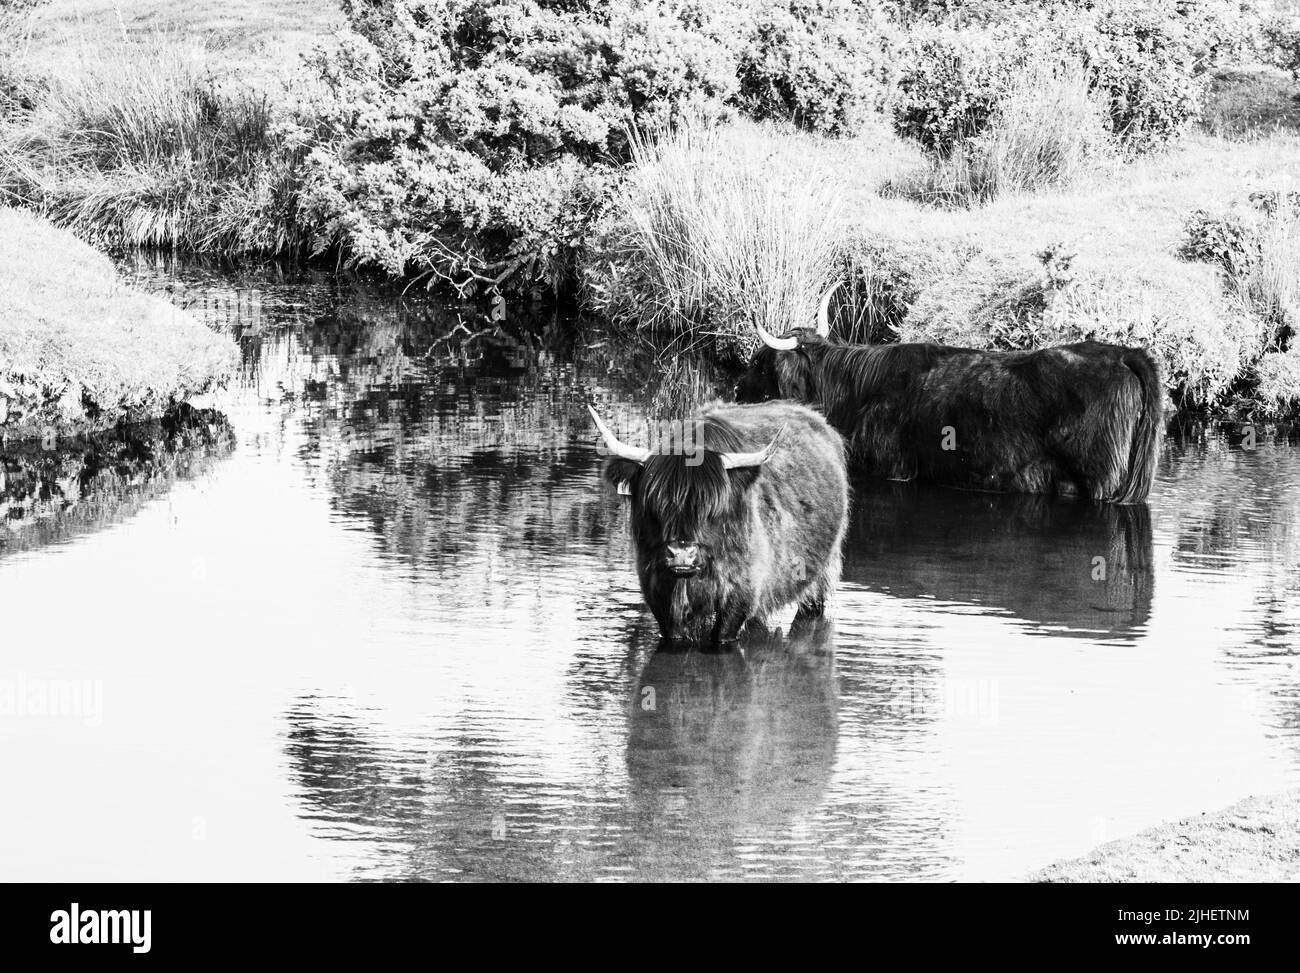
(731, 618)
(658, 593)
(812, 605)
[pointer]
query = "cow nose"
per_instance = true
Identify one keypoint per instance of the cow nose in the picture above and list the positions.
(683, 558)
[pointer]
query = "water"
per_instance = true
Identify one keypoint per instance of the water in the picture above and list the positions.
(382, 625)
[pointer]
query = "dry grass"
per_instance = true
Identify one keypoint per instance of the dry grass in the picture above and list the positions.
(79, 350)
(261, 42)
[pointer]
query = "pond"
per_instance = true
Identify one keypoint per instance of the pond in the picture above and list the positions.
(373, 617)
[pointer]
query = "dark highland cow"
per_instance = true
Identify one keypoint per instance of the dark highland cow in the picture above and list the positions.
(1080, 419)
(734, 516)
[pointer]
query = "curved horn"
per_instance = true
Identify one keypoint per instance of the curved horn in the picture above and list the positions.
(736, 461)
(616, 448)
(823, 312)
(780, 344)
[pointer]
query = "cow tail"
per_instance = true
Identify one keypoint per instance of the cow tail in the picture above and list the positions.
(1146, 434)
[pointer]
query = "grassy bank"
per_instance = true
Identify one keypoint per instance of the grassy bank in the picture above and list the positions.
(1257, 840)
(79, 351)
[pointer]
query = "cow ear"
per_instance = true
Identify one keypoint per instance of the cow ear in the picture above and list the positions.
(620, 472)
(745, 477)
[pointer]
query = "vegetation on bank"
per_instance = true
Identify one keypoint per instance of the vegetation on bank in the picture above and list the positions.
(1001, 174)
(1256, 840)
(81, 352)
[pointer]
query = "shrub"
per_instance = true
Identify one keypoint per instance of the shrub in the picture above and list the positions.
(1048, 131)
(1259, 255)
(825, 64)
(1144, 55)
(951, 84)
(470, 141)
(1282, 37)
(1146, 58)
(718, 228)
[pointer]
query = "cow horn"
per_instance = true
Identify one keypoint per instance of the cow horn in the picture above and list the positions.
(772, 341)
(736, 461)
(823, 312)
(615, 447)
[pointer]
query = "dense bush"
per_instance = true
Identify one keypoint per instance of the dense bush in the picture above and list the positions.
(951, 82)
(826, 64)
(1282, 35)
(470, 141)
(1148, 58)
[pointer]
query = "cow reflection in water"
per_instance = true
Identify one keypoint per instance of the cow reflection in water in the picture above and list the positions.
(722, 744)
(724, 752)
(1066, 567)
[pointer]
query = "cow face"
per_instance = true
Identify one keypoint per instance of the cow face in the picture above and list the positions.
(781, 374)
(760, 383)
(686, 494)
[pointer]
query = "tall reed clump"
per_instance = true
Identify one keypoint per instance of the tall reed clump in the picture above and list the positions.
(1049, 130)
(153, 150)
(718, 227)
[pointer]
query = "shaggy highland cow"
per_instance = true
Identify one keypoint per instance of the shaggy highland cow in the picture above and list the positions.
(735, 515)
(1080, 419)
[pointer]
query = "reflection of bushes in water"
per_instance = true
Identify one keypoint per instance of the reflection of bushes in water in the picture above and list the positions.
(92, 481)
(1230, 497)
(475, 438)
(1034, 557)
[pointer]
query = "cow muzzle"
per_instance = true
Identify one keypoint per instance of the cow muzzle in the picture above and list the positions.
(682, 559)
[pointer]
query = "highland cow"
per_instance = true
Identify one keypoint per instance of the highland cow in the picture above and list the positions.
(737, 515)
(1081, 419)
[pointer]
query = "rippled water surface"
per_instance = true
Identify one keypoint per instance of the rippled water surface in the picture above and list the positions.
(378, 622)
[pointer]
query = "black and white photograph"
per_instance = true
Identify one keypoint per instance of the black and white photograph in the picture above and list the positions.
(650, 441)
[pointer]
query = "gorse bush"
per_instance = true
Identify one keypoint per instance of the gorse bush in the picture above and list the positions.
(152, 151)
(951, 83)
(470, 142)
(1282, 38)
(825, 64)
(717, 229)
(1148, 59)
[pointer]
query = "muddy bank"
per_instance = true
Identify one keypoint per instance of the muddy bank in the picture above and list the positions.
(1257, 840)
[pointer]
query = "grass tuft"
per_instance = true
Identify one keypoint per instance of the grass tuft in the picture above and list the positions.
(720, 227)
(153, 150)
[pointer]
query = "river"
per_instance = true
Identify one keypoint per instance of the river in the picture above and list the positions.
(373, 617)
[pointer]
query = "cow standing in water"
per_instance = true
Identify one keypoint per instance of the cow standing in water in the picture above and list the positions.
(735, 515)
(1081, 419)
